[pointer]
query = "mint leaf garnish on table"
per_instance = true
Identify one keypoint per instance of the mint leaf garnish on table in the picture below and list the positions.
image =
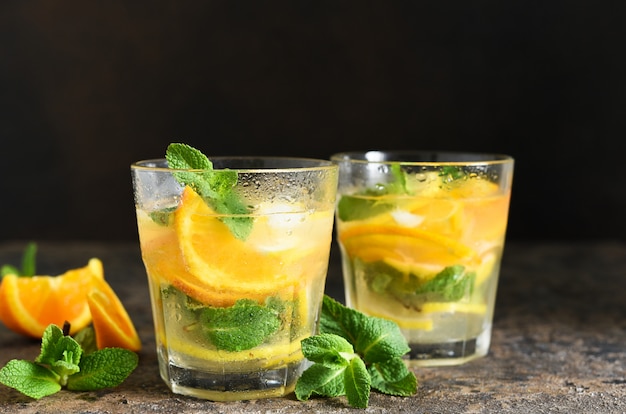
(216, 187)
(28, 267)
(62, 362)
(352, 354)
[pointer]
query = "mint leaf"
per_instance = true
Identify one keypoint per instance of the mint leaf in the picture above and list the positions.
(393, 377)
(104, 368)
(360, 207)
(357, 382)
(449, 285)
(86, 338)
(368, 203)
(376, 339)
(352, 354)
(29, 378)
(60, 353)
(327, 349)
(29, 259)
(9, 270)
(451, 173)
(28, 263)
(320, 380)
(62, 362)
(242, 326)
(57, 347)
(336, 371)
(216, 187)
(185, 157)
(163, 217)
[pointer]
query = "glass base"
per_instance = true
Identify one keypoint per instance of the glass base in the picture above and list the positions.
(449, 353)
(235, 386)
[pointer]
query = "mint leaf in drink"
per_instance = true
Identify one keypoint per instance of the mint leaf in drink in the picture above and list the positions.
(361, 206)
(371, 201)
(163, 217)
(451, 173)
(216, 187)
(242, 326)
(28, 267)
(62, 362)
(449, 285)
(352, 354)
(105, 368)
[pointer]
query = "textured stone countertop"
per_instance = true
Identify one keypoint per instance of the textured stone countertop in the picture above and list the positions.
(559, 341)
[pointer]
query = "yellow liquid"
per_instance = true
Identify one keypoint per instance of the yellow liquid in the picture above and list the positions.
(194, 261)
(388, 258)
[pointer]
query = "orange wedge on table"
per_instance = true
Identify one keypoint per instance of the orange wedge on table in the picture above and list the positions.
(29, 304)
(111, 322)
(79, 296)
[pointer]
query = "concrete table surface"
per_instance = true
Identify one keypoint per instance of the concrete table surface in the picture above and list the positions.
(558, 345)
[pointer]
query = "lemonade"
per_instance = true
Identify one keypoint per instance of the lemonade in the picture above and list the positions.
(421, 244)
(234, 294)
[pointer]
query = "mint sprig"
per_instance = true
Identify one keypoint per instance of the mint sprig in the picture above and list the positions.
(216, 187)
(28, 267)
(62, 362)
(352, 354)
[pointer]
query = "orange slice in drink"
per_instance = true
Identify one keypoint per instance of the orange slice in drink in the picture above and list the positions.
(473, 188)
(111, 322)
(403, 244)
(216, 262)
(29, 304)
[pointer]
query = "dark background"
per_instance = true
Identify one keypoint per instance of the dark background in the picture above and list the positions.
(86, 88)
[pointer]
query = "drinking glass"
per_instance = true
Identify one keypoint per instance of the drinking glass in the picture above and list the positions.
(421, 236)
(236, 281)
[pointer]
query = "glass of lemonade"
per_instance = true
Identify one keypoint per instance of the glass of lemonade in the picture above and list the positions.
(421, 236)
(233, 294)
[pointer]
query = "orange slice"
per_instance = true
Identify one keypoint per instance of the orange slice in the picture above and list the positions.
(219, 262)
(29, 304)
(410, 245)
(111, 323)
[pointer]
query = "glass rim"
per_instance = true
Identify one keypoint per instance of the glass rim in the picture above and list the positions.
(404, 157)
(310, 164)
